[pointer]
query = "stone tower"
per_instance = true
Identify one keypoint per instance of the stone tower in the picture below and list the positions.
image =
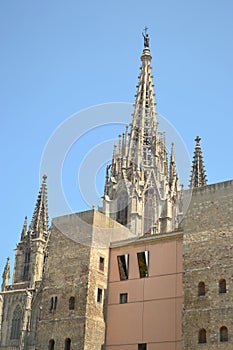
(198, 176)
(140, 192)
(30, 252)
(19, 302)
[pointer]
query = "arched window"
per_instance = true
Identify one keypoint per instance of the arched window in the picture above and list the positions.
(148, 210)
(51, 344)
(222, 286)
(71, 303)
(122, 208)
(67, 343)
(223, 334)
(202, 336)
(16, 322)
(201, 289)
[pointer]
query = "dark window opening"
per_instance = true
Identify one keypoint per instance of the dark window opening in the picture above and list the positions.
(16, 322)
(202, 336)
(123, 266)
(71, 303)
(123, 298)
(201, 289)
(101, 263)
(99, 295)
(142, 346)
(143, 264)
(222, 286)
(26, 272)
(53, 303)
(27, 257)
(223, 334)
(51, 344)
(67, 343)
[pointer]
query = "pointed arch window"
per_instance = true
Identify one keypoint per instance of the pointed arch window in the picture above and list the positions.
(202, 336)
(67, 343)
(148, 210)
(71, 303)
(223, 334)
(122, 208)
(222, 286)
(16, 322)
(201, 289)
(51, 344)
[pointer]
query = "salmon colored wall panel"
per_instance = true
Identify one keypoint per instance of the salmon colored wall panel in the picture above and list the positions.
(179, 303)
(124, 324)
(160, 287)
(179, 256)
(159, 321)
(161, 346)
(134, 288)
(179, 290)
(162, 258)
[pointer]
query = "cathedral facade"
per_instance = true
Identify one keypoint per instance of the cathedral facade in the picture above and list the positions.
(137, 274)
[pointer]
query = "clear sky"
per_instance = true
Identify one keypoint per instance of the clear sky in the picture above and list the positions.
(60, 57)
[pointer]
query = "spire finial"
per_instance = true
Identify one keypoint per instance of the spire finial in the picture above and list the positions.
(146, 38)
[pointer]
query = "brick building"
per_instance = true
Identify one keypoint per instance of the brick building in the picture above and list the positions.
(139, 273)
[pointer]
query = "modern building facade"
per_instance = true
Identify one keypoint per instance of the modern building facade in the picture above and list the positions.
(137, 274)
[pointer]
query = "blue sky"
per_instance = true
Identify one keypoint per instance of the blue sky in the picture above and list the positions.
(60, 57)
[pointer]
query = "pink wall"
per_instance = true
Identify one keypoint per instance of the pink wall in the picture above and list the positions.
(153, 312)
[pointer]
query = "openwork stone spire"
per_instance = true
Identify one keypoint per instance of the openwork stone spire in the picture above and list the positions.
(198, 176)
(139, 191)
(39, 223)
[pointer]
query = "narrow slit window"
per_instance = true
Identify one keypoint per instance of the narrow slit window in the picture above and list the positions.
(123, 298)
(201, 289)
(67, 343)
(51, 344)
(123, 266)
(71, 303)
(99, 295)
(143, 264)
(202, 336)
(223, 334)
(222, 286)
(101, 263)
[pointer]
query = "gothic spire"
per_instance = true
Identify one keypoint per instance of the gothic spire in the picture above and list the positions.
(6, 275)
(39, 223)
(198, 176)
(24, 229)
(137, 189)
(144, 126)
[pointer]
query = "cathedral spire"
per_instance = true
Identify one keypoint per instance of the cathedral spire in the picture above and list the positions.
(198, 176)
(144, 126)
(39, 223)
(137, 189)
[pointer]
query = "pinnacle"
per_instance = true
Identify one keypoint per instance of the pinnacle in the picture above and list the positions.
(198, 175)
(39, 223)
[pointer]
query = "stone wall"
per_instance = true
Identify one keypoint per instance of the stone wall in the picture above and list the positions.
(208, 258)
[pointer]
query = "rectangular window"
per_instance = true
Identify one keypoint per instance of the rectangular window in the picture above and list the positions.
(142, 346)
(123, 266)
(123, 298)
(143, 264)
(99, 295)
(101, 264)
